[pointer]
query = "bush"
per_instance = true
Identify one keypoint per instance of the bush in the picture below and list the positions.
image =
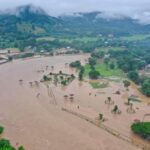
(21, 148)
(126, 83)
(92, 61)
(94, 74)
(5, 145)
(146, 87)
(1, 129)
(45, 78)
(76, 64)
(134, 76)
(64, 82)
(142, 129)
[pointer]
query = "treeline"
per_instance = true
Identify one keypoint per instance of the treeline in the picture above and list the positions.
(130, 61)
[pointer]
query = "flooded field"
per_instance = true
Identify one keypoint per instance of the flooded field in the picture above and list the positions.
(32, 115)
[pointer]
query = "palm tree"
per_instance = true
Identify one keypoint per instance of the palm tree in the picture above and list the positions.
(100, 116)
(115, 109)
(60, 72)
(109, 99)
(129, 101)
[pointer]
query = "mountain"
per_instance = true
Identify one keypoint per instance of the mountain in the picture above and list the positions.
(93, 22)
(27, 20)
(27, 23)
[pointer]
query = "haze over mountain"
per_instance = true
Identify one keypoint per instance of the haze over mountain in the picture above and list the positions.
(134, 9)
(29, 22)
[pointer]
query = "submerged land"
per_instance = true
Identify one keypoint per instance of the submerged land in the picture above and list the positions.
(73, 82)
(33, 116)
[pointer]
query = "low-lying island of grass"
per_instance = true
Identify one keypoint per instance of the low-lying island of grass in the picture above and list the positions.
(104, 70)
(142, 129)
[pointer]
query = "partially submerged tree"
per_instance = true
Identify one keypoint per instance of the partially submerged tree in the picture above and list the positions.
(126, 83)
(94, 74)
(1, 129)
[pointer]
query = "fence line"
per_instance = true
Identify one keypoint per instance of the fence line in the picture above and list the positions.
(108, 129)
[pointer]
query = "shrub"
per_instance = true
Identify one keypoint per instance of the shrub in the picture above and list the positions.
(1, 129)
(5, 145)
(21, 148)
(76, 64)
(142, 129)
(94, 74)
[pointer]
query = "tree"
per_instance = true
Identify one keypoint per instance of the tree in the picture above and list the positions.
(60, 72)
(76, 64)
(1, 129)
(5, 145)
(64, 82)
(142, 129)
(81, 73)
(109, 99)
(94, 74)
(92, 61)
(45, 78)
(106, 61)
(21, 148)
(115, 109)
(112, 65)
(126, 83)
(100, 116)
(134, 76)
(146, 87)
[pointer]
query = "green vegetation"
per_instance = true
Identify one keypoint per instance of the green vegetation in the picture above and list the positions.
(142, 129)
(106, 49)
(40, 31)
(1, 129)
(46, 78)
(137, 37)
(81, 73)
(46, 38)
(145, 87)
(92, 61)
(6, 145)
(58, 78)
(76, 64)
(98, 85)
(94, 74)
(21, 148)
(134, 76)
(104, 70)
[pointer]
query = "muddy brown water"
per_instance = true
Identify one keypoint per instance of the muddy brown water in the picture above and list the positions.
(39, 124)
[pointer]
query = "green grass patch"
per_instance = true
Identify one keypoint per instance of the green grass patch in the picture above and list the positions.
(142, 129)
(104, 70)
(46, 38)
(137, 37)
(98, 85)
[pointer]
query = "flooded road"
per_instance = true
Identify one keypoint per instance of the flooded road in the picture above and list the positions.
(39, 124)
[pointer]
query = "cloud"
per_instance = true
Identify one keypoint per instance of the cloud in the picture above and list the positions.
(138, 9)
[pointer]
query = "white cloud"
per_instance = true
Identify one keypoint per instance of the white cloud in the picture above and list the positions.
(138, 9)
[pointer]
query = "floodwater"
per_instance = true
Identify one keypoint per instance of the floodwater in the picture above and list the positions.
(33, 118)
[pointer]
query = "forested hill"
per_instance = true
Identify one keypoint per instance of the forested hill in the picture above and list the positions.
(93, 23)
(28, 23)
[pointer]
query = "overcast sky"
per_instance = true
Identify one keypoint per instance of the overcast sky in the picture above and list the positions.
(110, 8)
